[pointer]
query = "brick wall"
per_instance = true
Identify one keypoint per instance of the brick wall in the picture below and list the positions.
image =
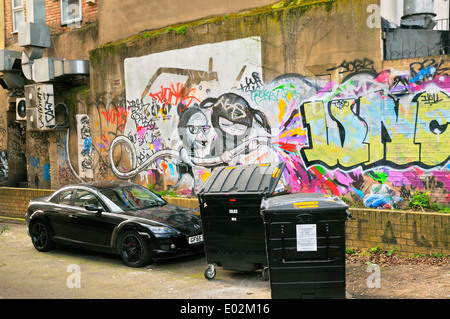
(10, 37)
(409, 232)
(14, 201)
(52, 17)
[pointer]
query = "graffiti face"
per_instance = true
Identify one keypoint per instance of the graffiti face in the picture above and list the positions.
(230, 128)
(341, 138)
(196, 130)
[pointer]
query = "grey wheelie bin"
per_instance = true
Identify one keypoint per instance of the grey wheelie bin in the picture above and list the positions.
(230, 209)
(305, 237)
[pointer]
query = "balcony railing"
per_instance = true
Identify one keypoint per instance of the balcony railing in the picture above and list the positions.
(442, 25)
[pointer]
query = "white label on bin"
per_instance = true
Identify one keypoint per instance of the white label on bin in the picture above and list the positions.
(306, 237)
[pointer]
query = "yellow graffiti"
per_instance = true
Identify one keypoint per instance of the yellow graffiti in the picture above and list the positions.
(281, 107)
(337, 138)
(349, 132)
(432, 128)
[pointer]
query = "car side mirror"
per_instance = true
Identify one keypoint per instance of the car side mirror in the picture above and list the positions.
(94, 208)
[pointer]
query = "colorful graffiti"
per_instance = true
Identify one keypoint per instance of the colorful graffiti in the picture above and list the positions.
(85, 149)
(4, 167)
(191, 110)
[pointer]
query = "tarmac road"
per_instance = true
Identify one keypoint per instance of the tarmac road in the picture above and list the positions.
(72, 274)
(67, 273)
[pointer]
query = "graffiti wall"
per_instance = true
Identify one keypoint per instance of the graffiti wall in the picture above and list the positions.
(188, 111)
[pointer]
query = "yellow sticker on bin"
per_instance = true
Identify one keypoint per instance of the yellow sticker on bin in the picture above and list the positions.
(306, 205)
(276, 172)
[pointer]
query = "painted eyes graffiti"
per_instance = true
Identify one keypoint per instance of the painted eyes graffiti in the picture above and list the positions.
(195, 129)
(231, 127)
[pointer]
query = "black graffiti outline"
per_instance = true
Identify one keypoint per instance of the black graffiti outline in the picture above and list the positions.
(385, 139)
(354, 66)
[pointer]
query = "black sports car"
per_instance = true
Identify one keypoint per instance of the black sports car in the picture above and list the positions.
(115, 217)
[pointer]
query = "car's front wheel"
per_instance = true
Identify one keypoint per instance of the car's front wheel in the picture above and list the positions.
(41, 236)
(134, 249)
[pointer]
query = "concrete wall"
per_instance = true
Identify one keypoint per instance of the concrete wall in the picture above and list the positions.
(120, 19)
(408, 232)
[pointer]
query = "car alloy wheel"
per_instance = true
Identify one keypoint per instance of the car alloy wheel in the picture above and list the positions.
(41, 237)
(134, 249)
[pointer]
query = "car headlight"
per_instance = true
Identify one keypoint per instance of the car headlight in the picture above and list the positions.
(159, 230)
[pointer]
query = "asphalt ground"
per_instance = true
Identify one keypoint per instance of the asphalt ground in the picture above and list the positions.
(68, 273)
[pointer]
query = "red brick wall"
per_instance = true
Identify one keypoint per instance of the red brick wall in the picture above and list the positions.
(52, 17)
(9, 36)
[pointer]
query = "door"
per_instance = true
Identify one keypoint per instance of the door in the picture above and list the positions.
(89, 227)
(58, 213)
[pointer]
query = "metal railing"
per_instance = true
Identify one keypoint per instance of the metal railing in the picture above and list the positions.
(442, 25)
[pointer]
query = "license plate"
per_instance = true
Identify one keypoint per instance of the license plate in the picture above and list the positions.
(195, 239)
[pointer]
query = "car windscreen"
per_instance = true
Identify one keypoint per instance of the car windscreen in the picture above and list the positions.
(131, 198)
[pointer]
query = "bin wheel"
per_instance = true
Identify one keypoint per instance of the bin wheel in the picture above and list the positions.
(210, 272)
(265, 273)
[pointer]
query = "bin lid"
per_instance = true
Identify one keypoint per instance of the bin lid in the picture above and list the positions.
(258, 179)
(303, 201)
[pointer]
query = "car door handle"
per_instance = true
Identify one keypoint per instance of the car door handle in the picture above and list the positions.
(73, 216)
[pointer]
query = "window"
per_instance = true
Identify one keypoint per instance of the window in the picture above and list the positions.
(18, 14)
(62, 198)
(84, 198)
(71, 12)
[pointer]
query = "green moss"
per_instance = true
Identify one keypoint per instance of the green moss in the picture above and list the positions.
(179, 30)
(73, 96)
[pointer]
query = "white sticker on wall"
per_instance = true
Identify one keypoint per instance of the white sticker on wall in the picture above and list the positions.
(306, 237)
(85, 147)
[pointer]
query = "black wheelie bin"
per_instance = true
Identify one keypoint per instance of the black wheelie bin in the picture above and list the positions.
(305, 237)
(230, 210)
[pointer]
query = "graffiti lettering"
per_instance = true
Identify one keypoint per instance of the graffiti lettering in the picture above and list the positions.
(117, 115)
(354, 66)
(252, 83)
(34, 162)
(49, 108)
(174, 95)
(427, 70)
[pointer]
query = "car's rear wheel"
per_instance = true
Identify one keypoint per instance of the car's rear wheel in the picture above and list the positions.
(41, 236)
(134, 249)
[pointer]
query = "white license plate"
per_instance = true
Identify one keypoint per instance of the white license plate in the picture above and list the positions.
(195, 239)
